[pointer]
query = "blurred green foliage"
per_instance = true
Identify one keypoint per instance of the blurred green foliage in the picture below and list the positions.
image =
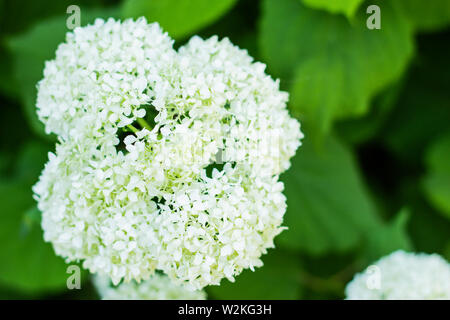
(372, 176)
(318, 183)
(178, 17)
(334, 66)
(437, 181)
(347, 7)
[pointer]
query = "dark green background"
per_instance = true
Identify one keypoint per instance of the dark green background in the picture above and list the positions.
(372, 176)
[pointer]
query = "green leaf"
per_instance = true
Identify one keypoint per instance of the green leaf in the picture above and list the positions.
(429, 229)
(437, 180)
(347, 7)
(333, 67)
(360, 130)
(178, 17)
(426, 15)
(388, 238)
(28, 264)
(328, 206)
(422, 112)
(31, 160)
(33, 48)
(277, 279)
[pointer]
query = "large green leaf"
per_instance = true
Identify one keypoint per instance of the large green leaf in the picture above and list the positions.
(33, 48)
(328, 206)
(178, 17)
(277, 279)
(31, 160)
(359, 130)
(426, 15)
(28, 264)
(333, 67)
(388, 238)
(347, 7)
(437, 181)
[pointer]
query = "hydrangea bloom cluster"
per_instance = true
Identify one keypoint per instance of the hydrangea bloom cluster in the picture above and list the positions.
(166, 159)
(402, 276)
(158, 287)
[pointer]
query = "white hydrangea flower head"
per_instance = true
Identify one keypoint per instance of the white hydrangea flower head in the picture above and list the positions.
(101, 77)
(179, 174)
(158, 287)
(403, 276)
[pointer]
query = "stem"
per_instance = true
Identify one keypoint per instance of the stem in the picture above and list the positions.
(132, 128)
(144, 124)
